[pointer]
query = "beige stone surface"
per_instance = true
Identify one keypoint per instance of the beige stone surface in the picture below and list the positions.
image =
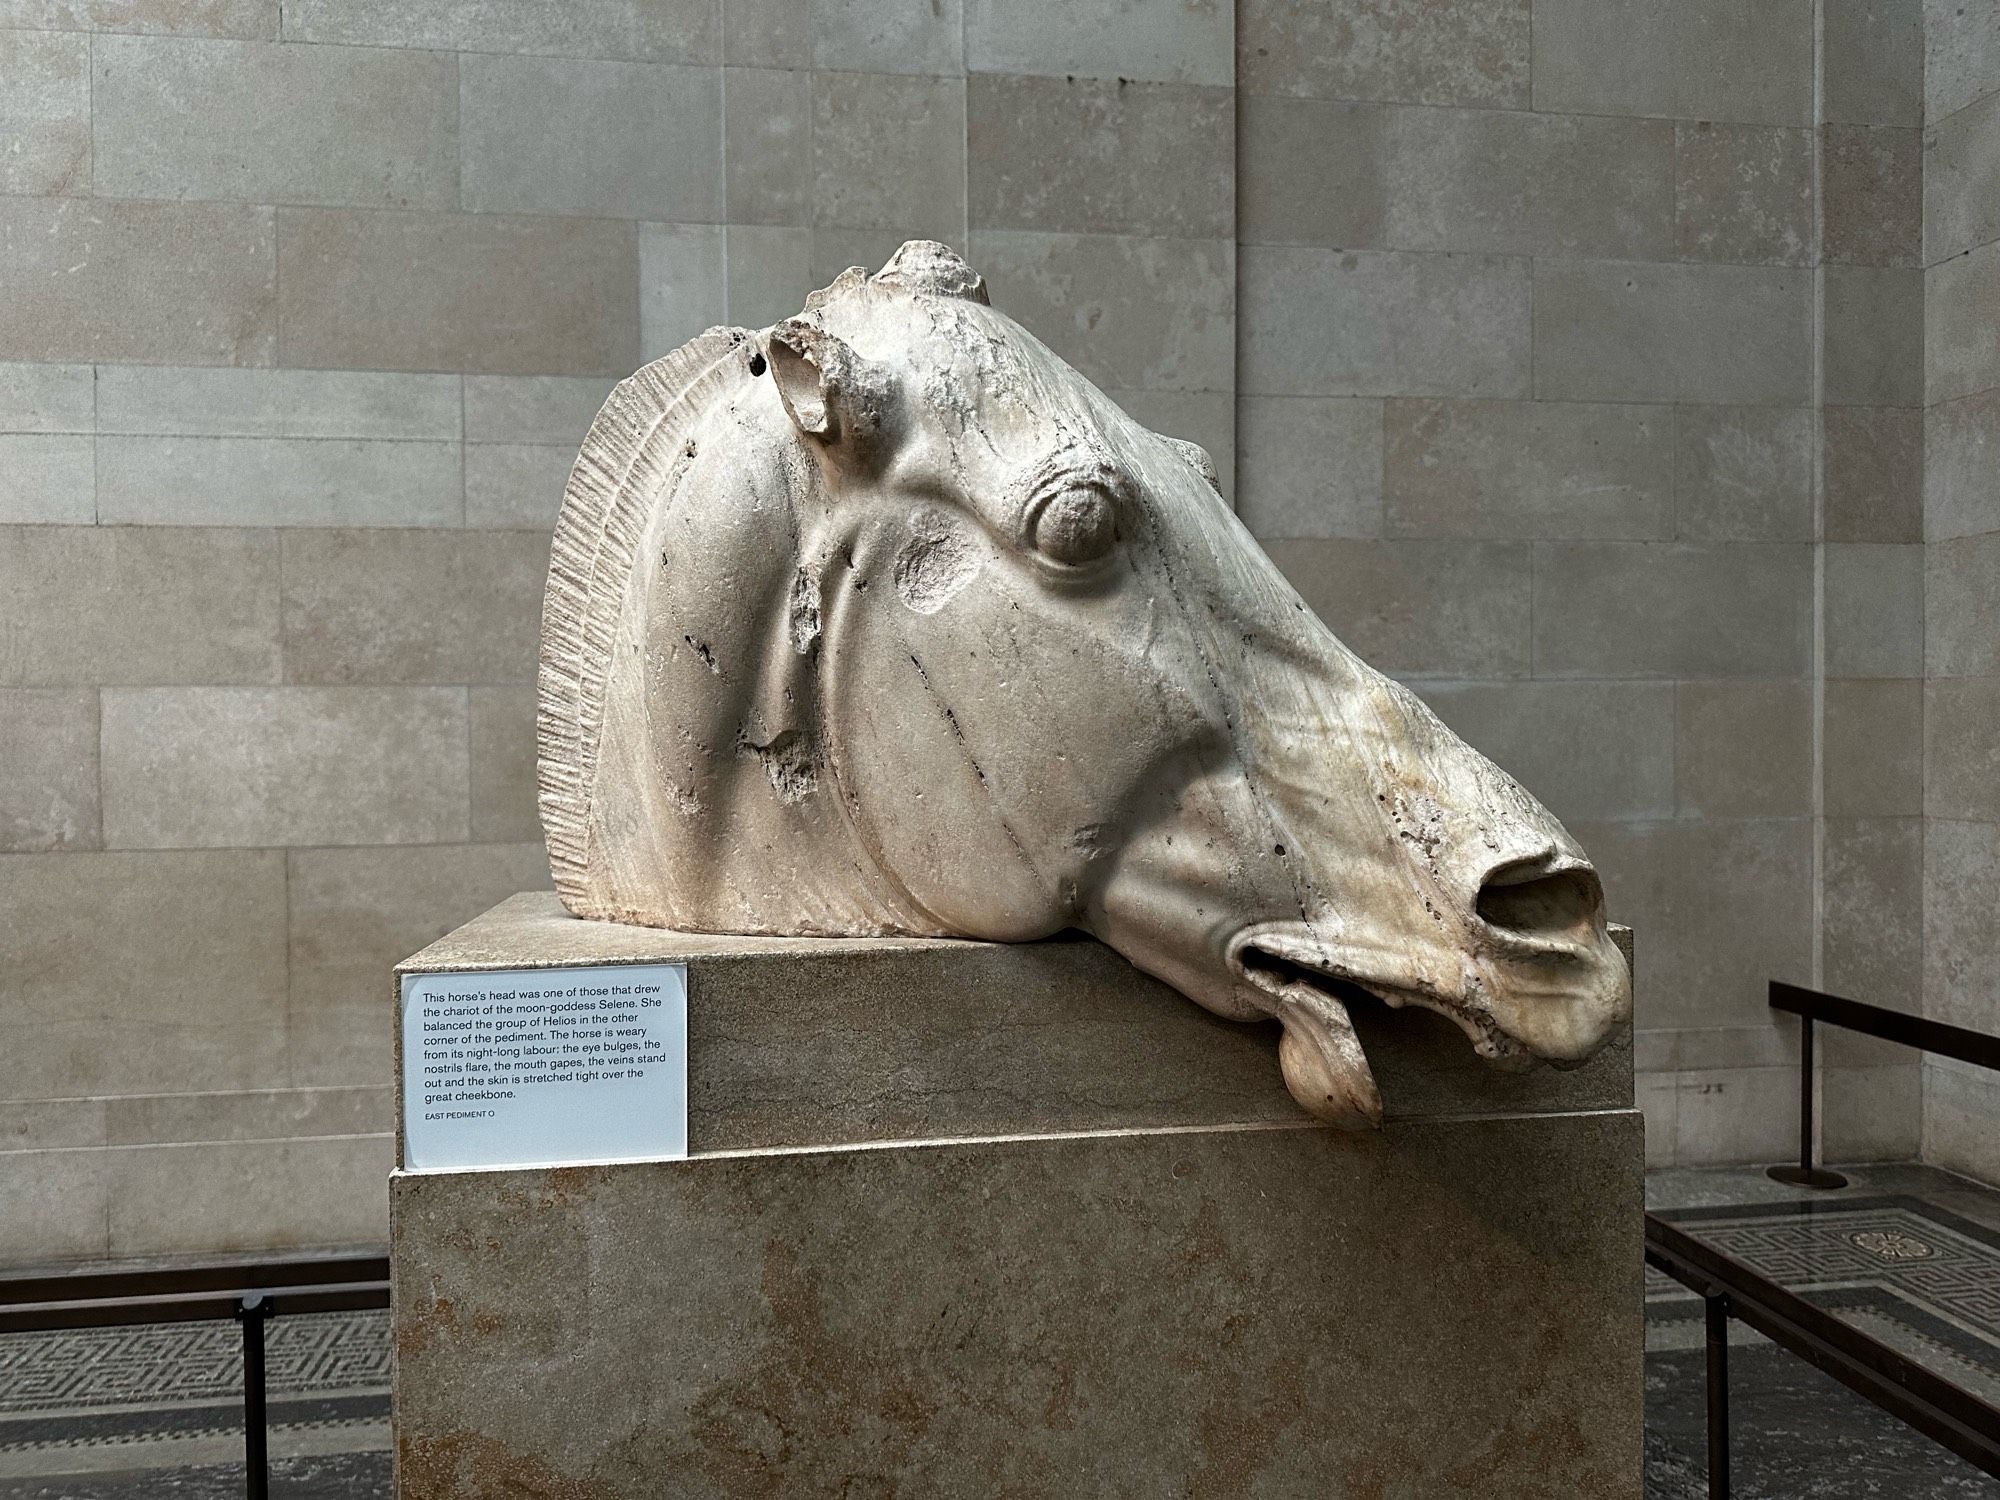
(417, 291)
(48, 769)
(1419, 607)
(253, 19)
(1309, 466)
(1743, 473)
(1744, 193)
(1874, 464)
(1224, 1310)
(1872, 747)
(647, 30)
(1474, 53)
(1743, 749)
(733, 739)
(1874, 195)
(45, 115)
(888, 153)
(48, 478)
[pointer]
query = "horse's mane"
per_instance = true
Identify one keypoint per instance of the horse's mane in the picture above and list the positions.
(627, 458)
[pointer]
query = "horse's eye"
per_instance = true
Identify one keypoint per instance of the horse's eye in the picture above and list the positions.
(1074, 527)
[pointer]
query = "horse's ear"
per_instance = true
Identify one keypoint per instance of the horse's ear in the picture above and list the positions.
(829, 391)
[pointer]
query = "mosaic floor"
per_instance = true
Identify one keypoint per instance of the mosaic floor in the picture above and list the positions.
(1911, 1255)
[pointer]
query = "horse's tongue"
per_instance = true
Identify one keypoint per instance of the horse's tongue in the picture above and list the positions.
(1323, 1063)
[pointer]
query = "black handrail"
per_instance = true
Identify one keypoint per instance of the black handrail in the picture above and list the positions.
(1813, 1007)
(252, 1293)
(1948, 1414)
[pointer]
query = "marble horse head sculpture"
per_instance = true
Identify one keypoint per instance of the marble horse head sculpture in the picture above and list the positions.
(885, 620)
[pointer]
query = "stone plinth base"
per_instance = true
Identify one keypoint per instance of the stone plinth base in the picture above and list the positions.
(1173, 1284)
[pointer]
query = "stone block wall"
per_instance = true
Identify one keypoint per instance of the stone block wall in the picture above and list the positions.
(1577, 349)
(1961, 258)
(1604, 316)
(303, 312)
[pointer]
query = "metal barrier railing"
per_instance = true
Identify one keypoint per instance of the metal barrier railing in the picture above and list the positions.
(252, 1294)
(1946, 1413)
(1814, 1008)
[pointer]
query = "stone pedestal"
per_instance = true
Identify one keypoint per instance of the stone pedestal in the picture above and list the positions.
(967, 1219)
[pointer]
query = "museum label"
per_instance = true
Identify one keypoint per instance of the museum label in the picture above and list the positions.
(544, 1067)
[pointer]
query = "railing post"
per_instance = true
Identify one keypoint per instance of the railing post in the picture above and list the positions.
(1805, 1174)
(1716, 1306)
(252, 1310)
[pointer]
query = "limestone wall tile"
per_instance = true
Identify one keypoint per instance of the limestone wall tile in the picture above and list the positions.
(1658, 1098)
(502, 748)
(1874, 609)
(1138, 314)
(1874, 195)
(636, 140)
(1310, 466)
(45, 112)
(1872, 459)
(90, 604)
(1960, 1104)
(1743, 749)
(1872, 922)
(889, 36)
(1961, 593)
(177, 117)
(767, 146)
(678, 31)
(1588, 751)
(1873, 345)
(1873, 62)
(1419, 608)
(532, 408)
(888, 153)
(1089, 156)
(194, 1199)
(48, 478)
(412, 607)
(1409, 51)
(1653, 609)
(1726, 897)
(1743, 193)
(1961, 181)
(1519, 183)
(256, 20)
(235, 767)
(223, 402)
(1731, 1115)
(1527, 469)
(28, 1124)
(1699, 59)
(48, 769)
(1743, 474)
(769, 271)
(1961, 748)
(47, 398)
(682, 285)
(470, 292)
(1961, 464)
(1961, 306)
(516, 484)
(1631, 331)
(141, 973)
(1872, 747)
(248, 1115)
(59, 1205)
(1161, 41)
(834, 249)
(767, 33)
(1961, 56)
(1312, 171)
(210, 481)
(1961, 920)
(1315, 322)
(355, 914)
(170, 283)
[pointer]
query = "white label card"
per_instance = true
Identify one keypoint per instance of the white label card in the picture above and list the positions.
(544, 1067)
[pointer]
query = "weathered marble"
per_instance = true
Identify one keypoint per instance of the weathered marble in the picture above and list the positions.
(885, 621)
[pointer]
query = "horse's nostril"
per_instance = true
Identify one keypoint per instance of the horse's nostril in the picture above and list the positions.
(1517, 899)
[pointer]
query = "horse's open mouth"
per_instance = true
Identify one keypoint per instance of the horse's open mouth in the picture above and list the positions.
(1324, 1064)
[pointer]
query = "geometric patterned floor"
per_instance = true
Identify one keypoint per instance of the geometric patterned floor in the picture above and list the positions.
(1918, 1277)
(170, 1395)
